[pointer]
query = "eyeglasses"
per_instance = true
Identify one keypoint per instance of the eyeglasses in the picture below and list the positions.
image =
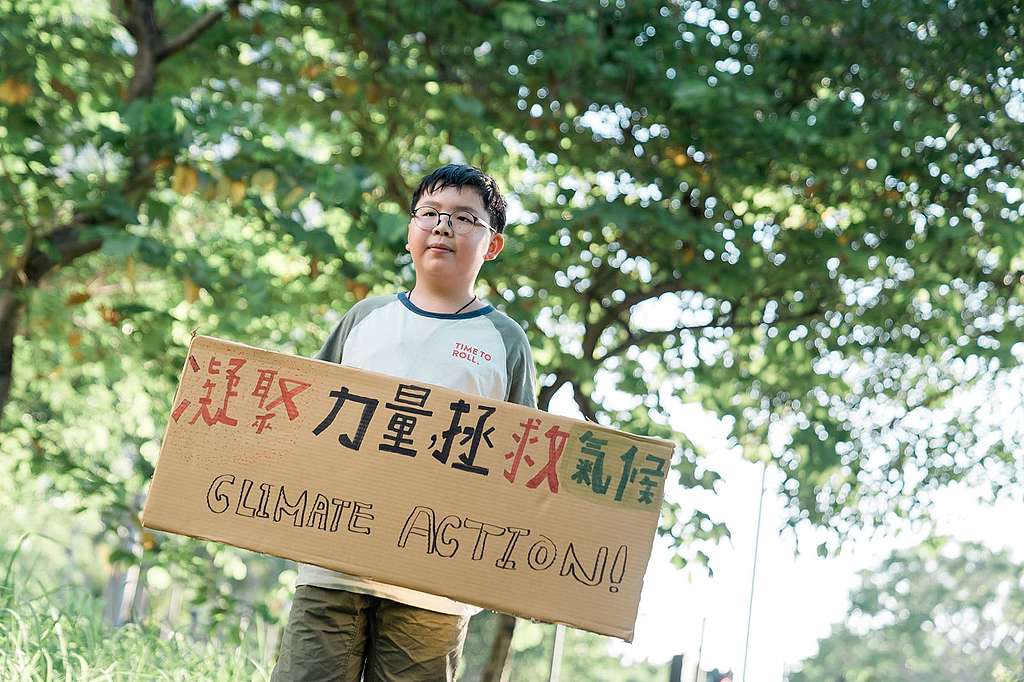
(461, 222)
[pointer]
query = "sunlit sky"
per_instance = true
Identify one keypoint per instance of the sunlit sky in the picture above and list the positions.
(797, 598)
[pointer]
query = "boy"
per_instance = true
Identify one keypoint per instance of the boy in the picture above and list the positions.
(341, 626)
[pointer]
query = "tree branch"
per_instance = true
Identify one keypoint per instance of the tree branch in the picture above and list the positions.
(375, 48)
(642, 338)
(446, 73)
(583, 402)
(615, 312)
(189, 35)
(646, 337)
(598, 277)
(60, 247)
(486, 11)
(666, 287)
(18, 271)
(548, 392)
(141, 22)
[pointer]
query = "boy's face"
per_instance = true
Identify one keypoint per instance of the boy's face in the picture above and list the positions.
(445, 259)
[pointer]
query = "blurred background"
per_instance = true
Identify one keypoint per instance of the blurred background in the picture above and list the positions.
(786, 234)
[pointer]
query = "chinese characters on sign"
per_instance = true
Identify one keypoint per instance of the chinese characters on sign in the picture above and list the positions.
(590, 470)
(556, 438)
(288, 389)
(412, 484)
(537, 454)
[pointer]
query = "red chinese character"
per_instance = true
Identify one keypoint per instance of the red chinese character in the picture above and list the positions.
(556, 445)
(221, 415)
(264, 383)
(286, 397)
(183, 405)
(519, 455)
(263, 422)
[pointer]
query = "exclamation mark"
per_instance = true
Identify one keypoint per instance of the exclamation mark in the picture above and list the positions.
(618, 569)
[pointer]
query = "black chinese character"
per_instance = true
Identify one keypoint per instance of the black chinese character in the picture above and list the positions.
(409, 402)
(369, 407)
(470, 434)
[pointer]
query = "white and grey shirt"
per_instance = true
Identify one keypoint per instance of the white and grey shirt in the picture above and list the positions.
(482, 352)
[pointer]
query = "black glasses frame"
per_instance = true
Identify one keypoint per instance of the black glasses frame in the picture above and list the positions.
(451, 222)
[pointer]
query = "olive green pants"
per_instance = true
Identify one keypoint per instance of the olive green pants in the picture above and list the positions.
(334, 635)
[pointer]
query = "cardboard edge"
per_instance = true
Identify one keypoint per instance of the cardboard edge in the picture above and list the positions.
(167, 427)
(255, 546)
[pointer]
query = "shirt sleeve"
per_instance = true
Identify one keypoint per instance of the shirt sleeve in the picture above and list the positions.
(333, 349)
(522, 376)
(334, 346)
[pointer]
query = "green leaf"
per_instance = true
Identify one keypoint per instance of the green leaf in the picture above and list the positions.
(337, 186)
(516, 16)
(391, 227)
(468, 105)
(317, 240)
(121, 245)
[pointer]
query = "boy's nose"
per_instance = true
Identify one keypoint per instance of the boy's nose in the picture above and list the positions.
(443, 227)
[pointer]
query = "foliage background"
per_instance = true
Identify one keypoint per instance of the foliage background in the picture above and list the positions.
(803, 217)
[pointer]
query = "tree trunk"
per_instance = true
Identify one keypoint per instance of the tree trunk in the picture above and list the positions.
(113, 597)
(497, 662)
(169, 625)
(10, 312)
(130, 595)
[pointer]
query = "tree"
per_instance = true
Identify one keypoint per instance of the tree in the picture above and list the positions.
(585, 656)
(823, 198)
(939, 611)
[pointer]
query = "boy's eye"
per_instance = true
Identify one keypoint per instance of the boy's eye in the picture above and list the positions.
(427, 212)
(465, 218)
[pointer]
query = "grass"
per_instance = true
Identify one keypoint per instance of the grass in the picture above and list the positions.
(61, 635)
(41, 641)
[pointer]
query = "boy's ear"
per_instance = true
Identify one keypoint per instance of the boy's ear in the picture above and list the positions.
(495, 246)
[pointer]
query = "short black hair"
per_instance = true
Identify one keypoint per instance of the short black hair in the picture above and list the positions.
(459, 176)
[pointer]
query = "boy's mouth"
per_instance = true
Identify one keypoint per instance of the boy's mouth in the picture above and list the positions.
(440, 248)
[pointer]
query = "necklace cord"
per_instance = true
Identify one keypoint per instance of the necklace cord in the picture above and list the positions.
(471, 301)
(465, 306)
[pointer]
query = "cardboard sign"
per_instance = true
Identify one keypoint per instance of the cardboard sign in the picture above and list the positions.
(486, 502)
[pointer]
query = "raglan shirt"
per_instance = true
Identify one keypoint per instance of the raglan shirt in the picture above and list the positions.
(482, 352)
